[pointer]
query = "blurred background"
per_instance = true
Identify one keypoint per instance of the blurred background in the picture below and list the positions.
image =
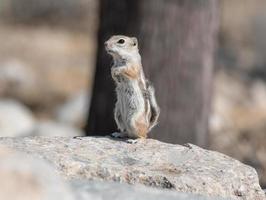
(49, 50)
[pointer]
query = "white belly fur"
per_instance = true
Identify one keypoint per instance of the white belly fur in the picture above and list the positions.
(130, 103)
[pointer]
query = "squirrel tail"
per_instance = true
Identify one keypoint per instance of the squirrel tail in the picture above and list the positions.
(155, 110)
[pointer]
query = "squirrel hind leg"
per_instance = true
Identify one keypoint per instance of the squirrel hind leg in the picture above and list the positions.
(139, 127)
(118, 120)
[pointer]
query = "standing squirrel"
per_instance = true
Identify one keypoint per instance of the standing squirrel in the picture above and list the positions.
(136, 110)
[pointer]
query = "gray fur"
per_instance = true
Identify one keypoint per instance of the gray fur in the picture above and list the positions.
(155, 110)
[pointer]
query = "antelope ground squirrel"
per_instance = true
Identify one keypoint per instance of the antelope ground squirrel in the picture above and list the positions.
(136, 110)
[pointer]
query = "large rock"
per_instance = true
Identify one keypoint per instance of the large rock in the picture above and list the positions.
(187, 169)
(25, 178)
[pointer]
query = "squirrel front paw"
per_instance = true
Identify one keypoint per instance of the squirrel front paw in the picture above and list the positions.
(115, 72)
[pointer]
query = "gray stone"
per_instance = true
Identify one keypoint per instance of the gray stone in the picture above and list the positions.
(24, 178)
(117, 191)
(15, 73)
(74, 110)
(27, 178)
(15, 119)
(187, 169)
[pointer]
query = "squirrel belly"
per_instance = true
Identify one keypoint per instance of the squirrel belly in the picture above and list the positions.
(131, 108)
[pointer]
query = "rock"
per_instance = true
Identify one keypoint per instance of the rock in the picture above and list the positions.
(187, 169)
(51, 128)
(75, 110)
(16, 75)
(109, 191)
(18, 80)
(15, 119)
(25, 178)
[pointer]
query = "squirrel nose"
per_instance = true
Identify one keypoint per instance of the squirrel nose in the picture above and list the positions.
(106, 44)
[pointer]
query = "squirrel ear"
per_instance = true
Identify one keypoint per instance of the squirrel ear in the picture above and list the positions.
(135, 41)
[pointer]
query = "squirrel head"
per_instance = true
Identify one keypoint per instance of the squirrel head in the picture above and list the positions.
(123, 48)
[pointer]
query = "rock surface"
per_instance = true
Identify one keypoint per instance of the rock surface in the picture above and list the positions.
(25, 178)
(21, 180)
(118, 191)
(187, 169)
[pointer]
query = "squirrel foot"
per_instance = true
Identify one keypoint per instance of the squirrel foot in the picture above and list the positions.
(119, 135)
(124, 135)
(132, 141)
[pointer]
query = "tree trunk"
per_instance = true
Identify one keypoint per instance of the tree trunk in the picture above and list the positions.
(115, 17)
(177, 42)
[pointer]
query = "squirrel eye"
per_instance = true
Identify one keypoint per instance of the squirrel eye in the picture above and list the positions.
(121, 41)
